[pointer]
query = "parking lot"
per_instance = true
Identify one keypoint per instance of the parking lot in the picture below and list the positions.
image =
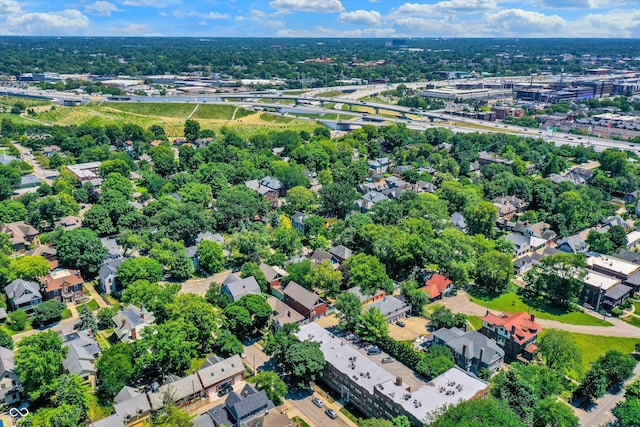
(415, 327)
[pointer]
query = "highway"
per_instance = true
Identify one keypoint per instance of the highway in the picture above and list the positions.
(310, 103)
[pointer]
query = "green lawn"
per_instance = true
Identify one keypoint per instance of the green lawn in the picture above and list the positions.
(513, 303)
(632, 320)
(330, 94)
(300, 422)
(103, 342)
(475, 321)
(594, 346)
(219, 112)
(636, 305)
(92, 304)
(181, 110)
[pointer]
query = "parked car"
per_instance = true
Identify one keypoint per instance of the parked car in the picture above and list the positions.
(319, 403)
(374, 351)
(331, 413)
(388, 360)
(401, 323)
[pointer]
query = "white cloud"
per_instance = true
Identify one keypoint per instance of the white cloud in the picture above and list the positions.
(66, 22)
(363, 17)
(447, 7)
(210, 15)
(316, 6)
(581, 4)
(617, 23)
(101, 8)
(525, 22)
(151, 3)
(330, 32)
(425, 27)
(8, 7)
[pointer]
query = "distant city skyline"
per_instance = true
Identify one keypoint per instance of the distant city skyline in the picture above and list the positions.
(322, 18)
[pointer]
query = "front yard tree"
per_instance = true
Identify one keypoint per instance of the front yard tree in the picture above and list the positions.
(28, 267)
(367, 272)
(350, 307)
(558, 278)
(550, 412)
(373, 325)
(141, 268)
(481, 218)
(338, 198)
(559, 351)
(304, 361)
(443, 317)
(323, 276)
(82, 249)
(252, 269)
(210, 256)
(38, 361)
(271, 383)
(87, 320)
(191, 130)
(494, 271)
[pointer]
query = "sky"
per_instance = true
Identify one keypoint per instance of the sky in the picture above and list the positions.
(322, 18)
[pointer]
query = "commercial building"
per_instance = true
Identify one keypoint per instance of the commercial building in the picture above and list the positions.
(377, 392)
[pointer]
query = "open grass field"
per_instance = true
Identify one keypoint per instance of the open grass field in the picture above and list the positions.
(329, 94)
(594, 346)
(632, 320)
(171, 117)
(513, 303)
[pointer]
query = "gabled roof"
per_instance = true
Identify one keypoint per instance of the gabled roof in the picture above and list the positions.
(214, 237)
(341, 251)
(525, 325)
(282, 313)
(220, 371)
(22, 291)
(387, 305)
(19, 232)
(436, 285)
(574, 243)
(475, 343)
(239, 288)
(272, 273)
(135, 405)
(301, 295)
(125, 394)
(6, 360)
(110, 268)
(179, 389)
(247, 402)
(59, 278)
(618, 292)
(320, 255)
(629, 256)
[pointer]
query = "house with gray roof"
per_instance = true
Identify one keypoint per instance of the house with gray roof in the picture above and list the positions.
(379, 165)
(472, 350)
(10, 386)
(320, 255)
(366, 202)
(22, 235)
(572, 244)
(131, 407)
(459, 221)
(305, 302)
(214, 237)
(107, 279)
(114, 251)
(392, 308)
(23, 295)
(242, 409)
(524, 245)
(179, 390)
(272, 274)
(268, 187)
(283, 314)
(81, 356)
(130, 321)
(236, 287)
(217, 372)
(341, 253)
(297, 221)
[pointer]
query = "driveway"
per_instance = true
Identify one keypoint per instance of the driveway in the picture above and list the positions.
(201, 286)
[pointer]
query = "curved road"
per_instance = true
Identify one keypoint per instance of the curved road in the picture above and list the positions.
(462, 303)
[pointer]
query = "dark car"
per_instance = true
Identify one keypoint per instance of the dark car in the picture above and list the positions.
(388, 360)
(331, 413)
(374, 351)
(401, 323)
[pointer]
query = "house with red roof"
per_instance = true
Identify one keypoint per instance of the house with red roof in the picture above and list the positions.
(437, 286)
(515, 333)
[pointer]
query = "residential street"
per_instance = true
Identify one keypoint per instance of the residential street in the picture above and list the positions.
(301, 401)
(601, 412)
(38, 170)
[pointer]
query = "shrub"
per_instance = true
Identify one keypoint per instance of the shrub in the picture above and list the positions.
(616, 311)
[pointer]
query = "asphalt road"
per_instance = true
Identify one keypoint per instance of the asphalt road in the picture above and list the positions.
(302, 402)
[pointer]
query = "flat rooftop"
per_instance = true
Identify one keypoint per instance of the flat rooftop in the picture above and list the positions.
(613, 264)
(600, 280)
(416, 396)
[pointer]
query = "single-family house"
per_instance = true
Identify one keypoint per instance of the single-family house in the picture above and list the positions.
(49, 253)
(366, 298)
(399, 170)
(130, 321)
(181, 391)
(572, 244)
(10, 385)
(541, 230)
(83, 350)
(379, 165)
(63, 284)
(214, 237)
(69, 222)
(114, 250)
(236, 287)
(247, 408)
(524, 245)
(305, 302)
(523, 264)
(515, 333)
(217, 372)
(22, 235)
(132, 406)
(471, 350)
(607, 223)
(341, 253)
(23, 295)
(392, 308)
(107, 276)
(505, 209)
(268, 187)
(366, 202)
(297, 221)
(437, 286)
(50, 150)
(320, 255)
(459, 221)
(425, 187)
(273, 274)
(29, 181)
(629, 256)
(283, 314)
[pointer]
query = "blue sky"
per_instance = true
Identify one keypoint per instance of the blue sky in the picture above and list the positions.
(322, 18)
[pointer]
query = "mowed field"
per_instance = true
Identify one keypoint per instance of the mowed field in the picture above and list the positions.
(172, 117)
